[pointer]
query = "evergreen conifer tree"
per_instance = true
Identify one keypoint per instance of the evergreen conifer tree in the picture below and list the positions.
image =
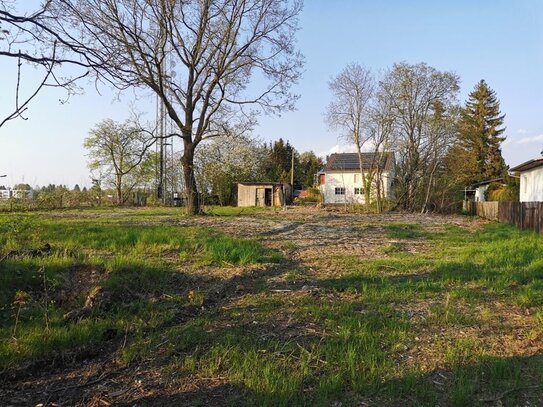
(481, 134)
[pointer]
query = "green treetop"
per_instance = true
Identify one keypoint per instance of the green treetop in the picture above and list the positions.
(481, 134)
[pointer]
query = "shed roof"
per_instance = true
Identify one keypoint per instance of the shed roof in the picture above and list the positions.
(528, 165)
(262, 183)
(350, 161)
(487, 182)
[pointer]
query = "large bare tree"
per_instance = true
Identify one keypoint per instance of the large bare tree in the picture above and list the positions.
(197, 56)
(348, 112)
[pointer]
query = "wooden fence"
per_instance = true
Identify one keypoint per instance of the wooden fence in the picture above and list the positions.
(524, 215)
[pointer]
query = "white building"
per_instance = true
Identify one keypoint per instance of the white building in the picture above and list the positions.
(341, 181)
(16, 193)
(477, 192)
(531, 180)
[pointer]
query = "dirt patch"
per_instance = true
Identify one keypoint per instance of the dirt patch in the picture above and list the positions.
(319, 234)
(78, 282)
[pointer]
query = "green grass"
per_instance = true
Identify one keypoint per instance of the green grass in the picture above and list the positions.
(405, 231)
(401, 328)
(140, 261)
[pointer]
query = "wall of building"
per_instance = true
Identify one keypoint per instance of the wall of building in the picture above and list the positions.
(349, 181)
(16, 193)
(531, 185)
(480, 193)
(247, 194)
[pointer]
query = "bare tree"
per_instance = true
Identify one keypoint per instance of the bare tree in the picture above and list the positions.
(117, 150)
(198, 57)
(416, 93)
(441, 137)
(29, 39)
(380, 139)
(352, 90)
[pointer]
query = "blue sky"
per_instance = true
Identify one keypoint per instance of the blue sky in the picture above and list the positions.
(499, 41)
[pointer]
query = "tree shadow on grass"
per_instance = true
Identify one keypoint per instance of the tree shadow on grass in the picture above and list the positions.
(144, 300)
(366, 335)
(487, 381)
(212, 395)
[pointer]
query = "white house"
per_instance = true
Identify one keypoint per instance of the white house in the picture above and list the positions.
(341, 182)
(531, 180)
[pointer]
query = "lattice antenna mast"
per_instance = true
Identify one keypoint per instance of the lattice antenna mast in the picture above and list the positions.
(166, 179)
(163, 128)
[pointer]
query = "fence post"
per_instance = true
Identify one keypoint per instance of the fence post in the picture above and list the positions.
(540, 217)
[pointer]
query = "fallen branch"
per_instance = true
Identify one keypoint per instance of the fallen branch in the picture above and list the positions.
(77, 386)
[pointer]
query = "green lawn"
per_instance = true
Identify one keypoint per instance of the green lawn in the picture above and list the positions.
(458, 323)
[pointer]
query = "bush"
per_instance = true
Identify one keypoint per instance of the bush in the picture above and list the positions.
(502, 192)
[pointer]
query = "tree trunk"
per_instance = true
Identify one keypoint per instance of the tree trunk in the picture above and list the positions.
(367, 188)
(191, 189)
(428, 190)
(362, 175)
(119, 190)
(379, 198)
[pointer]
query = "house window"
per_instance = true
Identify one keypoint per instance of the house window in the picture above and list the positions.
(340, 191)
(358, 191)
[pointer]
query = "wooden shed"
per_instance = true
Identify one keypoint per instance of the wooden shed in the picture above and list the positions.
(263, 193)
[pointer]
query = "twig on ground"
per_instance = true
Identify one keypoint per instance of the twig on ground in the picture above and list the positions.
(77, 386)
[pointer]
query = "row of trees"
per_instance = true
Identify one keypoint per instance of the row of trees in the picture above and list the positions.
(57, 196)
(220, 165)
(121, 157)
(440, 146)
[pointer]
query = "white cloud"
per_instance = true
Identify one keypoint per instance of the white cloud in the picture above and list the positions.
(522, 131)
(531, 139)
(337, 148)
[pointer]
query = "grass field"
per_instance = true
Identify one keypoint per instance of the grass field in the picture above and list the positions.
(257, 307)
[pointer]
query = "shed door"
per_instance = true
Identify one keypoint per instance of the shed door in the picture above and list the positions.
(260, 197)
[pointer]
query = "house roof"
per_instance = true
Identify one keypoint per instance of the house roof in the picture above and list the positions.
(528, 165)
(350, 162)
